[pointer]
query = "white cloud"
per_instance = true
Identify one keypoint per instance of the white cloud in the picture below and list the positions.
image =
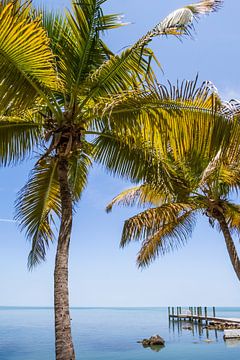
(8, 220)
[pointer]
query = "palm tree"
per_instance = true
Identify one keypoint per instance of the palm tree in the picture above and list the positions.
(60, 86)
(195, 173)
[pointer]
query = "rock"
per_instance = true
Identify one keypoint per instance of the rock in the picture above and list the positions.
(155, 340)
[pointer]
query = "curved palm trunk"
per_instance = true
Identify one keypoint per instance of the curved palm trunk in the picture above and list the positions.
(64, 343)
(230, 245)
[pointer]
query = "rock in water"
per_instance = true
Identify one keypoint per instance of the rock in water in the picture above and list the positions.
(153, 341)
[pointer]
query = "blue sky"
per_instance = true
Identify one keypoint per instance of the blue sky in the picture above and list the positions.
(100, 273)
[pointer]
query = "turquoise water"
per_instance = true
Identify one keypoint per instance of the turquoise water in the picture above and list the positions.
(111, 334)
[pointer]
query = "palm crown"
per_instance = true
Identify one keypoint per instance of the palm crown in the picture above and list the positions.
(181, 181)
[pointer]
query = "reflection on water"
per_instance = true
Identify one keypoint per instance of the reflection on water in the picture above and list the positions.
(155, 348)
(197, 329)
(232, 343)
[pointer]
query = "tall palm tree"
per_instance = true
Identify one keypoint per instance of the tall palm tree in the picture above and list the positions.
(194, 174)
(59, 86)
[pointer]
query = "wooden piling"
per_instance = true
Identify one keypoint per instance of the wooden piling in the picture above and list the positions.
(206, 316)
(197, 314)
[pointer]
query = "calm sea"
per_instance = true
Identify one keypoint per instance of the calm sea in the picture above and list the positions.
(111, 334)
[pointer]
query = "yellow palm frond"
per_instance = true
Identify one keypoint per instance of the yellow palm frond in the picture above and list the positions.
(168, 238)
(232, 215)
(183, 123)
(27, 65)
(142, 195)
(145, 224)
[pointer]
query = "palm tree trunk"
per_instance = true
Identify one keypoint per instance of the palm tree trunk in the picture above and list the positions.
(230, 244)
(63, 336)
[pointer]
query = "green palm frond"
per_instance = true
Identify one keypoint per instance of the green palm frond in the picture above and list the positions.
(118, 157)
(168, 238)
(112, 76)
(26, 59)
(119, 73)
(78, 174)
(18, 138)
(80, 49)
(37, 204)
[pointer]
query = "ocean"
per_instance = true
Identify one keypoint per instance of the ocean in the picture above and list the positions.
(111, 334)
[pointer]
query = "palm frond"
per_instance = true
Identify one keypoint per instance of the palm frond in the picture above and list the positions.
(141, 196)
(180, 21)
(78, 174)
(229, 174)
(231, 108)
(26, 59)
(232, 215)
(145, 224)
(80, 49)
(118, 157)
(37, 203)
(18, 137)
(169, 238)
(119, 73)
(137, 59)
(205, 6)
(142, 131)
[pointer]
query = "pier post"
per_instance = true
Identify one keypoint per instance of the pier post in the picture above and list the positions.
(198, 313)
(191, 313)
(214, 312)
(206, 318)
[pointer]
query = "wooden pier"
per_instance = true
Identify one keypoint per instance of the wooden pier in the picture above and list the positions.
(198, 314)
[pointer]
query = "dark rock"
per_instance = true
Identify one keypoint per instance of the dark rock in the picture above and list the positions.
(153, 341)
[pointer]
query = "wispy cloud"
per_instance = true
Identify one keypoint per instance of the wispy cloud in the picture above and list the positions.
(8, 220)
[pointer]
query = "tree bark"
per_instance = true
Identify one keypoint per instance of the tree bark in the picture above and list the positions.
(63, 337)
(230, 244)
